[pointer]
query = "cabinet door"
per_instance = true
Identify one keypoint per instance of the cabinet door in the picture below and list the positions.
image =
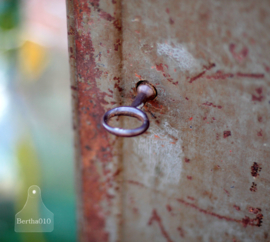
(200, 172)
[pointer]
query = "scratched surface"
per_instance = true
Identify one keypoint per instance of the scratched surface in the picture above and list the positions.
(201, 172)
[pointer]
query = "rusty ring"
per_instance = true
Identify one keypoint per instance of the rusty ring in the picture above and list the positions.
(126, 111)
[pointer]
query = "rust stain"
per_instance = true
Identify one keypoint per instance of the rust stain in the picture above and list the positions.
(206, 68)
(220, 75)
(160, 67)
(211, 104)
(196, 77)
(237, 207)
(187, 160)
(93, 137)
(169, 208)
(239, 56)
(140, 77)
(157, 218)
(255, 169)
(253, 187)
(181, 232)
(136, 183)
(257, 221)
(258, 97)
(191, 198)
(106, 16)
(250, 75)
(227, 192)
(226, 134)
(254, 210)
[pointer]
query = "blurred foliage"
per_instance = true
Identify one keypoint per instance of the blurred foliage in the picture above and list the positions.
(42, 154)
(33, 60)
(9, 14)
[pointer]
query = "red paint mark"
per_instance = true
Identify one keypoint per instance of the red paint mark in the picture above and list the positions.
(260, 119)
(230, 151)
(245, 221)
(169, 208)
(255, 169)
(187, 98)
(136, 183)
(167, 11)
(140, 77)
(260, 96)
(191, 118)
(117, 172)
(213, 118)
(227, 192)
(255, 98)
(106, 16)
(206, 68)
(219, 75)
(259, 133)
(171, 21)
(156, 217)
(254, 210)
(189, 177)
(250, 75)
(240, 56)
(187, 160)
(237, 207)
(257, 221)
(253, 187)
(156, 136)
(211, 104)
(196, 77)
(226, 134)
(267, 68)
(161, 69)
(211, 65)
(181, 232)
(190, 198)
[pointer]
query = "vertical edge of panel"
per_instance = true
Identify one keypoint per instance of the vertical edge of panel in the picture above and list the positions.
(95, 68)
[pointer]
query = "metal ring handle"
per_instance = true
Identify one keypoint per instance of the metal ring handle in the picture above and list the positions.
(126, 111)
(145, 92)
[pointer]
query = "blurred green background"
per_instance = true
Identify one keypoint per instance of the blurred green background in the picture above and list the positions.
(36, 146)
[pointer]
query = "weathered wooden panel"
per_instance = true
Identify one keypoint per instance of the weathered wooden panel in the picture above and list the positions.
(200, 173)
